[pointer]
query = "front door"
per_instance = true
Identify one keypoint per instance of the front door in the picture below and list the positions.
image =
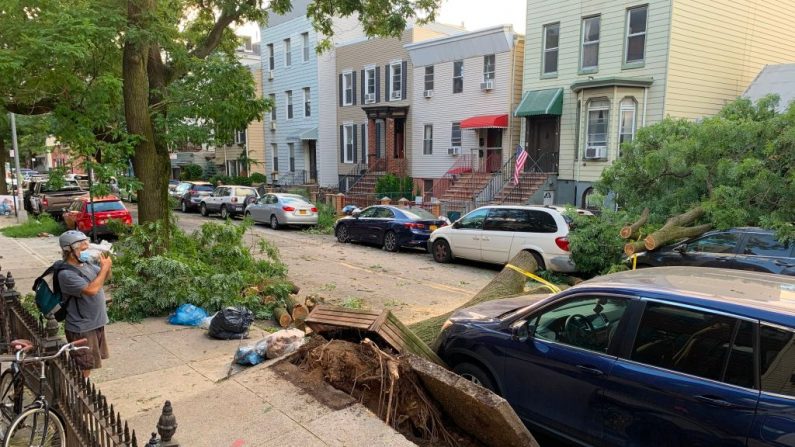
(400, 139)
(543, 142)
(312, 161)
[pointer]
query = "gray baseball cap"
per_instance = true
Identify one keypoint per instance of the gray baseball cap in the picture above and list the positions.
(71, 237)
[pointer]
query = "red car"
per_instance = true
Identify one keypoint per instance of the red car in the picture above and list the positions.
(78, 215)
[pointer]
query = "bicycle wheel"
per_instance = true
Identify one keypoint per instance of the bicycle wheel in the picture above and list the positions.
(36, 427)
(10, 398)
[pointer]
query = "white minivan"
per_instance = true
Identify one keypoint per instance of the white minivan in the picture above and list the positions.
(497, 233)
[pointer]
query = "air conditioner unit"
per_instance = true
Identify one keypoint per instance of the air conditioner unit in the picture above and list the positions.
(369, 97)
(270, 74)
(487, 85)
(428, 93)
(455, 150)
(273, 125)
(596, 152)
(397, 94)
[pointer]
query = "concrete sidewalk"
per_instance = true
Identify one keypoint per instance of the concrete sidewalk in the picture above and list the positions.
(153, 361)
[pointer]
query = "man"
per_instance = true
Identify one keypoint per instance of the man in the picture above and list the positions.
(86, 312)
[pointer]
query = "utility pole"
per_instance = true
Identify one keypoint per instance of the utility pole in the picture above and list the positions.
(22, 215)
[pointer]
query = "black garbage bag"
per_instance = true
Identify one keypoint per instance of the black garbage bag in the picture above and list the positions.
(231, 323)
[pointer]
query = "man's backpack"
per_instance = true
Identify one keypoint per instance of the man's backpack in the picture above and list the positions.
(51, 301)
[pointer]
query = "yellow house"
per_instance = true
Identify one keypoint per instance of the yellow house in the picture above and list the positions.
(596, 71)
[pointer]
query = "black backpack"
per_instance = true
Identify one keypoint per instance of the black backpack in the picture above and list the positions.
(51, 302)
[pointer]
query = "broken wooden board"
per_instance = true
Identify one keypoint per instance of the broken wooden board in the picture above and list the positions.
(476, 410)
(326, 318)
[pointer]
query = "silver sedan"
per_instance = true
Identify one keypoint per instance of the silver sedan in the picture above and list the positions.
(282, 209)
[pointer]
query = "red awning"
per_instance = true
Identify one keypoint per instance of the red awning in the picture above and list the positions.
(485, 122)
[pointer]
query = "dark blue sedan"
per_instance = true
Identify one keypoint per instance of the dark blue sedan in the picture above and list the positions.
(391, 227)
(666, 356)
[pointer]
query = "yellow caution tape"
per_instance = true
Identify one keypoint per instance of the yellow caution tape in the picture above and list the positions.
(543, 281)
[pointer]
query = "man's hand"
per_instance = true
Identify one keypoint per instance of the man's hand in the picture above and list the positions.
(105, 262)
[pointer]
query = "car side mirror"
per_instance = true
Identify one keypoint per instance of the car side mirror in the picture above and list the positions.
(681, 249)
(522, 330)
(355, 213)
(456, 225)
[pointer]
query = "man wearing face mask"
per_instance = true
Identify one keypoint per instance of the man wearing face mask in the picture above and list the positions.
(86, 312)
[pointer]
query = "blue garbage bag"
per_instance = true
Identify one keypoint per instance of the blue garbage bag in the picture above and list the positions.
(247, 356)
(188, 315)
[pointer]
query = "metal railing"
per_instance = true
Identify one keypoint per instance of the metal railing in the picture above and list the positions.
(496, 183)
(292, 178)
(349, 177)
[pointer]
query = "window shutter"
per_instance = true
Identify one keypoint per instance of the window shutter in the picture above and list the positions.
(377, 84)
(342, 144)
(354, 142)
(353, 87)
(364, 145)
(404, 73)
(364, 85)
(387, 85)
(342, 93)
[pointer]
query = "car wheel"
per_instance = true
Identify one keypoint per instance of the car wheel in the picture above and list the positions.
(342, 234)
(247, 215)
(274, 223)
(204, 211)
(441, 251)
(224, 212)
(475, 375)
(184, 207)
(539, 260)
(391, 241)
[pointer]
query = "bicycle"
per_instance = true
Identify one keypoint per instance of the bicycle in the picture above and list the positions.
(34, 424)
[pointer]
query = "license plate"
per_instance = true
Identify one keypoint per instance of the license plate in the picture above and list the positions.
(433, 227)
(302, 212)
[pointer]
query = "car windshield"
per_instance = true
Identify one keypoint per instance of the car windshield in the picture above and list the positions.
(417, 213)
(244, 192)
(106, 206)
(294, 200)
(203, 188)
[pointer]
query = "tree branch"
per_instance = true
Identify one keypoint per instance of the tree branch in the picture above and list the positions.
(40, 107)
(212, 40)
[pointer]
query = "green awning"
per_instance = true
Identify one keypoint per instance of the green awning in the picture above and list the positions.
(541, 102)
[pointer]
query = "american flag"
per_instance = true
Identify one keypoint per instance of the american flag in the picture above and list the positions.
(521, 158)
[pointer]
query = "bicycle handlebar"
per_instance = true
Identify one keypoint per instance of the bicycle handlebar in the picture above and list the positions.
(76, 345)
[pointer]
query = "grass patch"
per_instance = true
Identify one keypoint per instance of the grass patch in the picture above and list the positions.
(353, 302)
(326, 218)
(34, 226)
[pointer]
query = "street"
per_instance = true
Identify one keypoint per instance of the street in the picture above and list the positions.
(409, 282)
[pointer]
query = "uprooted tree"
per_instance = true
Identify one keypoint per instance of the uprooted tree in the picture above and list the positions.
(680, 178)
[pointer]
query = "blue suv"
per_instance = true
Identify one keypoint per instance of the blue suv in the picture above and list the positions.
(666, 356)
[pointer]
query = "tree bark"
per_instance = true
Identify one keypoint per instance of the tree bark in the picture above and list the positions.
(506, 284)
(669, 234)
(282, 317)
(296, 310)
(632, 231)
(3, 160)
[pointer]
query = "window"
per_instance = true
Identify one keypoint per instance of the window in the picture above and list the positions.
(685, 340)
(717, 243)
(369, 212)
(740, 369)
(380, 138)
(348, 141)
(636, 35)
(458, 76)
(765, 245)
(275, 152)
(288, 96)
(288, 53)
(240, 137)
(245, 44)
(396, 80)
(291, 150)
(429, 77)
(777, 350)
(506, 219)
(384, 213)
(589, 54)
(100, 207)
(598, 119)
(473, 220)
(488, 68)
(427, 141)
(551, 44)
(587, 323)
(305, 45)
(307, 102)
(541, 222)
(627, 112)
(272, 97)
(232, 169)
(455, 135)
(347, 88)
(271, 57)
(369, 85)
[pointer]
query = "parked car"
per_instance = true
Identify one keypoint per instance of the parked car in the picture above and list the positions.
(44, 199)
(78, 215)
(391, 227)
(172, 185)
(227, 200)
(746, 248)
(189, 195)
(496, 234)
(667, 356)
(279, 209)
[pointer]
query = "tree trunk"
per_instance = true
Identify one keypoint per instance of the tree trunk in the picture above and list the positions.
(296, 310)
(3, 160)
(633, 247)
(506, 284)
(632, 231)
(669, 234)
(282, 317)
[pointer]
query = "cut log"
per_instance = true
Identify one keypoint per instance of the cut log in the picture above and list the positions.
(311, 301)
(282, 317)
(296, 309)
(294, 289)
(668, 234)
(632, 231)
(634, 247)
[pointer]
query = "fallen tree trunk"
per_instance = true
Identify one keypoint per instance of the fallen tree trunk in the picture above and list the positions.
(282, 317)
(633, 231)
(665, 235)
(508, 283)
(631, 248)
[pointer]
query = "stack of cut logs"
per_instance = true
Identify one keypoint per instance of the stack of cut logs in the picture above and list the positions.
(295, 312)
(674, 229)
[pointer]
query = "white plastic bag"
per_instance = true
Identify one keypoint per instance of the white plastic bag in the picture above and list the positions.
(280, 343)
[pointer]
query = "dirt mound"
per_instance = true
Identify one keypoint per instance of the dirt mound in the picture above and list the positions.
(384, 383)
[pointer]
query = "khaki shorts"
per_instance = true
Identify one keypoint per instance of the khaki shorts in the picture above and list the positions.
(98, 348)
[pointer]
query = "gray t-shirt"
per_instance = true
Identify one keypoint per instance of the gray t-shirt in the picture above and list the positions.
(92, 308)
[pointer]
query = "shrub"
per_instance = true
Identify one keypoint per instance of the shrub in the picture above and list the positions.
(225, 179)
(326, 219)
(241, 180)
(596, 246)
(258, 178)
(34, 226)
(191, 172)
(395, 187)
